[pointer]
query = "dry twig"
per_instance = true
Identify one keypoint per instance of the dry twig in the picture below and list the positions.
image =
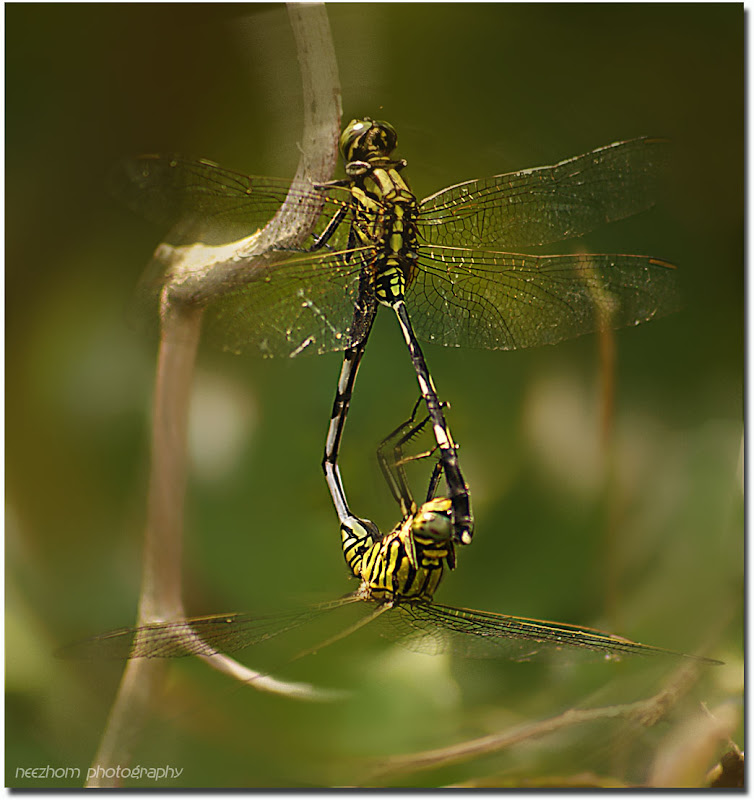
(181, 313)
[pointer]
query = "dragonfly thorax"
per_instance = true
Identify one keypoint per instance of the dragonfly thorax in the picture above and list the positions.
(407, 564)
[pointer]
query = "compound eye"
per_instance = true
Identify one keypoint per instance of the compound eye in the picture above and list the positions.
(433, 525)
(385, 136)
(352, 137)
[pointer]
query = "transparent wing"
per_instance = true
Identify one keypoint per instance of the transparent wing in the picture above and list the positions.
(305, 301)
(203, 202)
(460, 297)
(547, 204)
(433, 628)
(196, 636)
(302, 306)
(506, 301)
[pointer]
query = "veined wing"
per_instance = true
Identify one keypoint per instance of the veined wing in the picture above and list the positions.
(301, 306)
(304, 303)
(203, 202)
(434, 628)
(506, 301)
(547, 204)
(206, 635)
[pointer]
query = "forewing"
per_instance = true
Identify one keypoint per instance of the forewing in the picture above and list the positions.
(302, 303)
(202, 202)
(507, 301)
(547, 204)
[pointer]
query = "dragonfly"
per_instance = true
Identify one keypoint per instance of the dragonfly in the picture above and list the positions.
(398, 574)
(449, 266)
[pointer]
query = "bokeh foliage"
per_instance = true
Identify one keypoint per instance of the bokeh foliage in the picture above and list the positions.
(645, 539)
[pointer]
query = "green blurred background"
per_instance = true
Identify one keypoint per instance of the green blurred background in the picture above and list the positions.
(647, 540)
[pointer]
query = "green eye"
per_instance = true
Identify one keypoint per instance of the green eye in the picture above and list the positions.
(433, 521)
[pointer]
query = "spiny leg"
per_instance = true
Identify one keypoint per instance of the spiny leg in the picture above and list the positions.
(392, 468)
(458, 491)
(434, 478)
(400, 460)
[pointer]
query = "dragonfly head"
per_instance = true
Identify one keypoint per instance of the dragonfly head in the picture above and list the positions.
(433, 520)
(367, 139)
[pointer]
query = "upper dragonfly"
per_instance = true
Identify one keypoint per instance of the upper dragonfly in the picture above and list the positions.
(438, 263)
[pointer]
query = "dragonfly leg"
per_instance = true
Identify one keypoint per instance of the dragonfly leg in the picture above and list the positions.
(392, 469)
(458, 491)
(399, 459)
(324, 237)
(322, 240)
(434, 479)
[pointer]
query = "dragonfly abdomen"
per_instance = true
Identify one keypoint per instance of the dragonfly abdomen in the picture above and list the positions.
(355, 548)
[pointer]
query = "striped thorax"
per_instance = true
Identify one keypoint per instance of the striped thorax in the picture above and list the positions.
(384, 208)
(406, 564)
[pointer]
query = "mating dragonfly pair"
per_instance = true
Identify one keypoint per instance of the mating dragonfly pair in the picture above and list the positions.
(431, 262)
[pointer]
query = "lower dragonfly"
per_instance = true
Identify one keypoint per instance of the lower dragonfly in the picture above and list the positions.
(399, 574)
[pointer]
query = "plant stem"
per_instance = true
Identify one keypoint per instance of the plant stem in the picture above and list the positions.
(181, 311)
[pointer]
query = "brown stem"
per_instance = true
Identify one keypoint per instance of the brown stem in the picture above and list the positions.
(160, 597)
